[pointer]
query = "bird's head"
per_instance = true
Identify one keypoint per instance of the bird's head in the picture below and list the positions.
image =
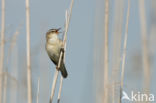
(52, 32)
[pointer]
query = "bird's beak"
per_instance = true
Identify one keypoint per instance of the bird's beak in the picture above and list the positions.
(58, 30)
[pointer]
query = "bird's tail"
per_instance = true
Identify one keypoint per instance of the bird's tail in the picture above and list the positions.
(63, 71)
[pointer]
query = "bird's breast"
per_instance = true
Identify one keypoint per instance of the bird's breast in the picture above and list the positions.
(53, 46)
(52, 49)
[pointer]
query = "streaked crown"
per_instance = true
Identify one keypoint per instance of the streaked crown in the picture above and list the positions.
(53, 31)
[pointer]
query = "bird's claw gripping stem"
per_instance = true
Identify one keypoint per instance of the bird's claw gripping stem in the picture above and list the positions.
(62, 50)
(57, 68)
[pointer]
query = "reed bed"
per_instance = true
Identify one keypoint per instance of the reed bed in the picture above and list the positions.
(111, 36)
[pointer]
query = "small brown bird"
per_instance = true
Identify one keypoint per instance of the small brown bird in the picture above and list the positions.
(54, 46)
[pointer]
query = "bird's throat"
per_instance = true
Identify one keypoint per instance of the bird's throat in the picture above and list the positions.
(53, 38)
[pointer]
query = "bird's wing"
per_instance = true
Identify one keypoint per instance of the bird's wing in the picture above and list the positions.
(54, 58)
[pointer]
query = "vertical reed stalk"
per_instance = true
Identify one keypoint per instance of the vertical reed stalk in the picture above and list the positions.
(61, 54)
(124, 50)
(38, 90)
(145, 56)
(28, 52)
(53, 85)
(2, 46)
(60, 89)
(61, 81)
(106, 51)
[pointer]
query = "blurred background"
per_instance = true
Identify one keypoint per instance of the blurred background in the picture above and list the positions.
(85, 50)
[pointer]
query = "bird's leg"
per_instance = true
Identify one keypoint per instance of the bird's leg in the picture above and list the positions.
(62, 50)
(57, 68)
